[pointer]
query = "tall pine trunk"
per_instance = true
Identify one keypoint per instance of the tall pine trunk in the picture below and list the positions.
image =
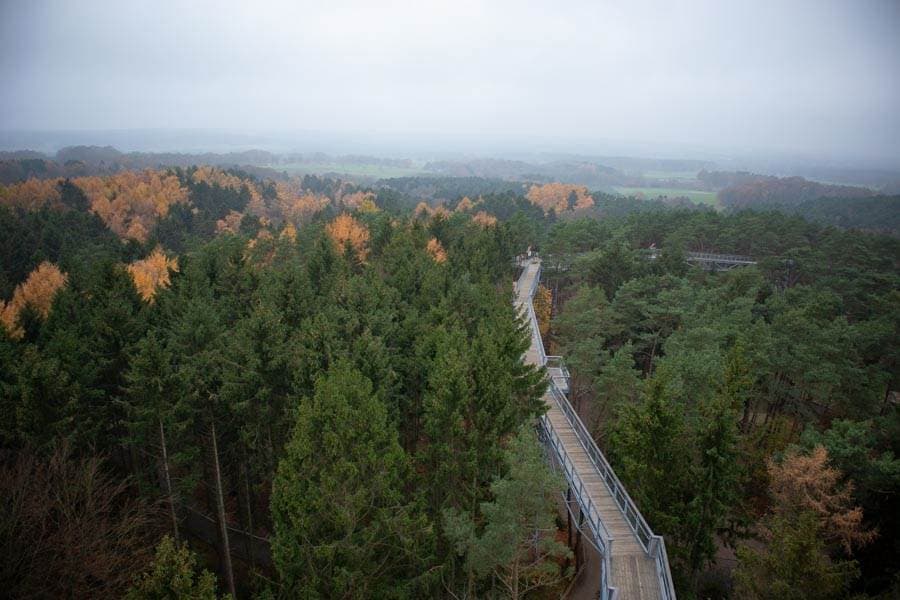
(248, 508)
(220, 513)
(168, 478)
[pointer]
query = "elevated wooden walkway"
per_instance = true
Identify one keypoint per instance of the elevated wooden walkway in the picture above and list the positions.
(634, 564)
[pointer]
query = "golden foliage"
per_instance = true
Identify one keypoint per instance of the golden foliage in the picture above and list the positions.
(346, 230)
(543, 306)
(36, 292)
(296, 205)
(465, 205)
(361, 201)
(560, 197)
(231, 223)
(130, 203)
(257, 205)
(214, 176)
(484, 219)
(436, 250)
(422, 210)
(806, 482)
(152, 273)
(368, 206)
(289, 232)
(31, 194)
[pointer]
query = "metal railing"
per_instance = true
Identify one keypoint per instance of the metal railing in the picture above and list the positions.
(603, 540)
(653, 545)
(738, 259)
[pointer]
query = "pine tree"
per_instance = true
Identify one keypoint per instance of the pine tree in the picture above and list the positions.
(342, 527)
(517, 544)
(173, 575)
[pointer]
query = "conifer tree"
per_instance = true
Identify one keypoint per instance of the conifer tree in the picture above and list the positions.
(342, 526)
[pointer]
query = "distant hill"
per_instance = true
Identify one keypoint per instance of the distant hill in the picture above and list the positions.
(77, 161)
(740, 189)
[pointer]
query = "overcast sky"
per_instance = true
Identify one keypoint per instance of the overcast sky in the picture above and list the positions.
(817, 77)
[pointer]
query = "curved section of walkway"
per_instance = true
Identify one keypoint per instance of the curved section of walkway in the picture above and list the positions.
(635, 558)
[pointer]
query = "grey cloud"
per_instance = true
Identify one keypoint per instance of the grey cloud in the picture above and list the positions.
(819, 78)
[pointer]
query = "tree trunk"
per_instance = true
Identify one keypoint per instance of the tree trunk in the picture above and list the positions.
(248, 503)
(220, 513)
(168, 478)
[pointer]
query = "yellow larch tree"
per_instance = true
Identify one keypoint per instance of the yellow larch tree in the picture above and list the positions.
(361, 201)
(32, 194)
(289, 232)
(543, 306)
(436, 250)
(131, 203)
(560, 197)
(152, 274)
(297, 205)
(214, 176)
(231, 223)
(368, 205)
(484, 219)
(465, 205)
(345, 230)
(807, 482)
(37, 292)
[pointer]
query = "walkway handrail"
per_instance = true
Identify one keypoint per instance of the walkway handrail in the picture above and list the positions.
(536, 333)
(712, 256)
(599, 531)
(653, 545)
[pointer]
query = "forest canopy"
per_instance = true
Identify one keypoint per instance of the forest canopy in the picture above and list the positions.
(276, 373)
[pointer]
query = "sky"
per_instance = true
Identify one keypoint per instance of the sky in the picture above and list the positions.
(816, 78)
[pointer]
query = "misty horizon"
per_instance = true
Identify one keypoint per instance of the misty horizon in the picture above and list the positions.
(810, 81)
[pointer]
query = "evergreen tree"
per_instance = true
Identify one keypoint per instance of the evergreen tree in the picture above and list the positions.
(517, 543)
(342, 526)
(173, 576)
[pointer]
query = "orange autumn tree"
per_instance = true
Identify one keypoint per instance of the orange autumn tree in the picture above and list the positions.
(37, 293)
(560, 197)
(231, 223)
(32, 194)
(361, 201)
(807, 483)
(346, 231)
(465, 205)
(436, 250)
(152, 274)
(422, 210)
(214, 176)
(543, 305)
(131, 203)
(289, 232)
(296, 205)
(484, 219)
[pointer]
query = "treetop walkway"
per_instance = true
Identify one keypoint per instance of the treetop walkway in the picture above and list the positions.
(633, 564)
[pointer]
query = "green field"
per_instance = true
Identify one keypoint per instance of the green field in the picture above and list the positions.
(669, 174)
(650, 193)
(350, 169)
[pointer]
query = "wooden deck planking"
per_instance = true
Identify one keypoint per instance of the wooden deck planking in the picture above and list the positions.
(633, 571)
